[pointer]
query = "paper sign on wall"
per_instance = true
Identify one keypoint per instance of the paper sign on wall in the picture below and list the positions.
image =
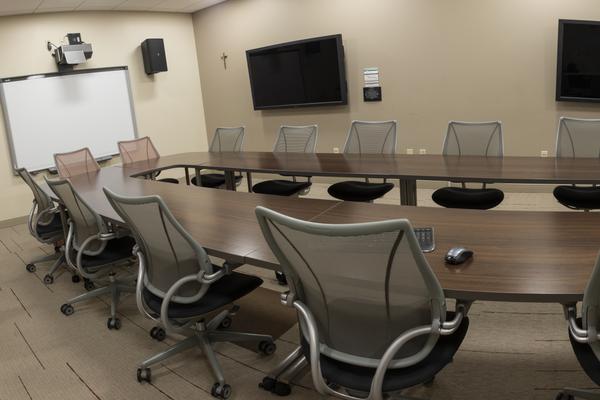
(371, 76)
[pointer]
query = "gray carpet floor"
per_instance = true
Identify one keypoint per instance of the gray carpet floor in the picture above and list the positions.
(512, 350)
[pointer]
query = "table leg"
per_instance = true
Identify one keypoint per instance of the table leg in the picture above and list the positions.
(249, 180)
(230, 180)
(408, 192)
(197, 171)
(187, 176)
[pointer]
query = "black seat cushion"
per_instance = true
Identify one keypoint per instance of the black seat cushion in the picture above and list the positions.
(54, 228)
(586, 357)
(478, 199)
(280, 187)
(169, 180)
(359, 191)
(221, 293)
(213, 180)
(586, 198)
(360, 378)
(115, 250)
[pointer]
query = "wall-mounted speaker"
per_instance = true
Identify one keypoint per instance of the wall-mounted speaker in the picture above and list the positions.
(155, 59)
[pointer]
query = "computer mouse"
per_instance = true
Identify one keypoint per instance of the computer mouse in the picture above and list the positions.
(458, 255)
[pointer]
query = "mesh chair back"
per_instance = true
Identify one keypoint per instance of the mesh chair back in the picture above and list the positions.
(371, 137)
(170, 253)
(75, 162)
(364, 283)
(227, 140)
(135, 150)
(578, 138)
(86, 222)
(296, 139)
(474, 139)
(43, 201)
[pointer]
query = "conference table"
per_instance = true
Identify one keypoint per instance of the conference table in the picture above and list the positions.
(519, 255)
(407, 169)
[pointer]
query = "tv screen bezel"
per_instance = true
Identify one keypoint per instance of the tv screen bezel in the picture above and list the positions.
(559, 62)
(342, 73)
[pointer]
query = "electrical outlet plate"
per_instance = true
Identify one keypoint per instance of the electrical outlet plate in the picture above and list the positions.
(410, 151)
(336, 150)
(422, 151)
(544, 153)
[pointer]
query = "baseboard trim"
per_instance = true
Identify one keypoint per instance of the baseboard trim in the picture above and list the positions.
(7, 223)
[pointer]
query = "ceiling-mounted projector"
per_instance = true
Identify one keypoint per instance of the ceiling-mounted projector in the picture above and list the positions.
(68, 55)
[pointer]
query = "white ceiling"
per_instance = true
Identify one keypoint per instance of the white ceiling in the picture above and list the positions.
(15, 7)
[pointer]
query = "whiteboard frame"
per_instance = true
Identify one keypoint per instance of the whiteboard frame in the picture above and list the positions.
(9, 134)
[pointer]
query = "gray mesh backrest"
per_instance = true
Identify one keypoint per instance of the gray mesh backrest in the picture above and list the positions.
(75, 162)
(135, 150)
(371, 137)
(296, 139)
(365, 284)
(170, 253)
(474, 139)
(590, 311)
(227, 140)
(44, 202)
(578, 138)
(86, 221)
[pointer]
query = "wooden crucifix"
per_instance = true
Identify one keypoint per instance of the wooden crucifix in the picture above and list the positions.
(224, 58)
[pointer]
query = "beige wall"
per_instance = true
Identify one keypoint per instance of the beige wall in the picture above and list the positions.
(439, 60)
(168, 105)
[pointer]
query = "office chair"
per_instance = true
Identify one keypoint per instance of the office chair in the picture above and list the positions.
(45, 225)
(141, 149)
(178, 286)
(366, 137)
(75, 162)
(578, 138)
(291, 139)
(471, 139)
(584, 337)
(97, 250)
(224, 140)
(372, 314)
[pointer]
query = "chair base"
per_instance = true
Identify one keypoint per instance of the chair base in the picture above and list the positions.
(203, 335)
(571, 394)
(115, 288)
(59, 260)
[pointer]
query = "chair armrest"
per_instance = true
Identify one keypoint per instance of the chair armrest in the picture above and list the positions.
(579, 334)
(164, 308)
(449, 327)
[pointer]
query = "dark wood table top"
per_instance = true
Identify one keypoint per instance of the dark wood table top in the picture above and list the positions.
(421, 167)
(519, 255)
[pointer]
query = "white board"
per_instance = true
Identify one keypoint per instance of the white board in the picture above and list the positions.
(57, 113)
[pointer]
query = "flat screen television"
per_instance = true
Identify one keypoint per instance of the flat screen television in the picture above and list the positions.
(578, 66)
(302, 73)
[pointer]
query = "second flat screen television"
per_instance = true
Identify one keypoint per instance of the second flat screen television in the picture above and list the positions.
(302, 73)
(578, 72)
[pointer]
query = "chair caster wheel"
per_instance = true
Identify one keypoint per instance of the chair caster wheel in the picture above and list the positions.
(281, 278)
(564, 396)
(30, 267)
(267, 383)
(48, 279)
(67, 309)
(221, 391)
(144, 375)
(226, 323)
(429, 383)
(158, 333)
(88, 285)
(75, 278)
(113, 323)
(267, 347)
(282, 389)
